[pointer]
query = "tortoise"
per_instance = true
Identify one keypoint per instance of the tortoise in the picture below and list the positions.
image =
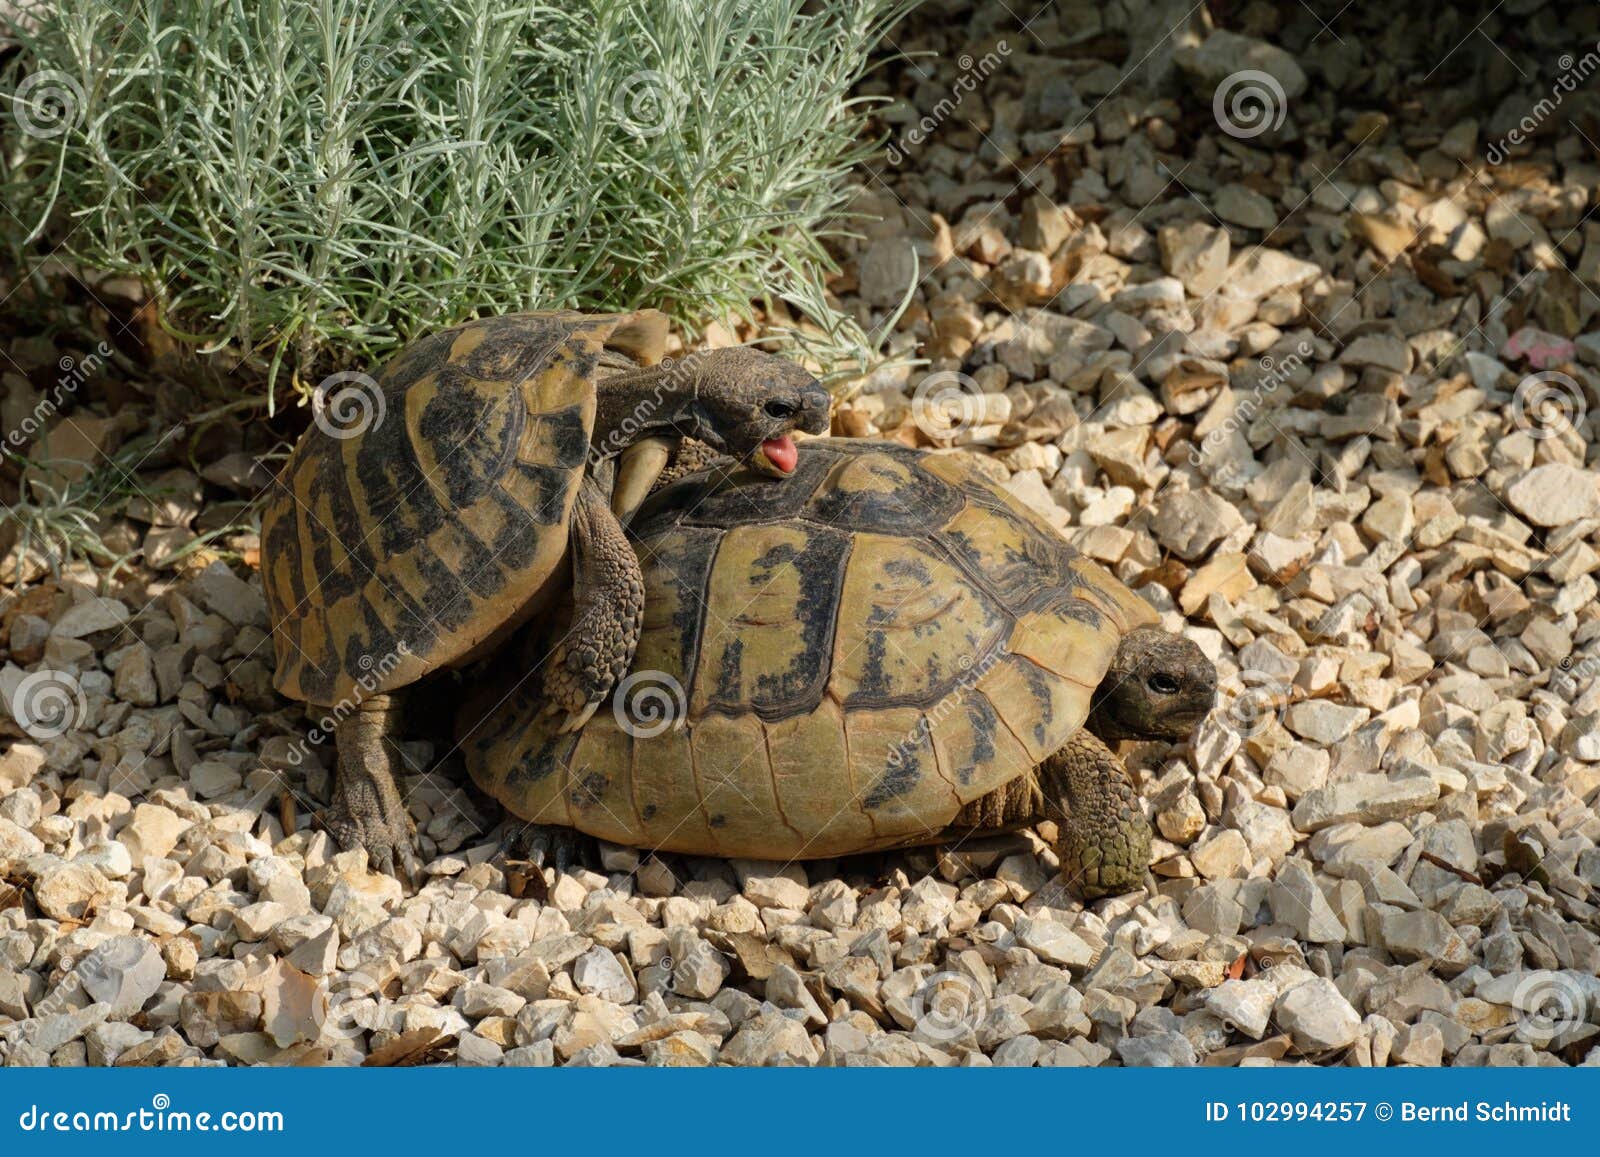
(420, 535)
(886, 650)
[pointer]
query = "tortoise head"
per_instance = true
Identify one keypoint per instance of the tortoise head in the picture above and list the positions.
(1160, 686)
(746, 403)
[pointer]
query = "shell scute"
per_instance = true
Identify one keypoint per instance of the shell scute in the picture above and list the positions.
(768, 626)
(883, 494)
(904, 794)
(914, 621)
(439, 522)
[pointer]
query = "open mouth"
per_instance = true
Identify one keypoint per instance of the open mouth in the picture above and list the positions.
(781, 454)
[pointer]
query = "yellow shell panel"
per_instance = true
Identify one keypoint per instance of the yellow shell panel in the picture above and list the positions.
(1039, 708)
(599, 786)
(749, 641)
(736, 790)
(908, 619)
(977, 752)
(666, 794)
(899, 786)
(817, 796)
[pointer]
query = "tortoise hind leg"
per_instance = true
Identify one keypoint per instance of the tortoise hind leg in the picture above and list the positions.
(1104, 841)
(367, 811)
(608, 596)
(546, 845)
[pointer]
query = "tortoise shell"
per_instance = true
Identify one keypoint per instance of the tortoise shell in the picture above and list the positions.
(844, 658)
(412, 538)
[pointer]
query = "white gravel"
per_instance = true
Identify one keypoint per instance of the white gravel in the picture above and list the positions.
(1326, 392)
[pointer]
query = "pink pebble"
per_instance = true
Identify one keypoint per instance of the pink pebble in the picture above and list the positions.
(1539, 348)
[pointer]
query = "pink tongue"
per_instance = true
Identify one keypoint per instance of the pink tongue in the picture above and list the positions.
(781, 453)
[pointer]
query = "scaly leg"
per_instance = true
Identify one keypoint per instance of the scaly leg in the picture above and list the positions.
(689, 457)
(1104, 841)
(608, 598)
(367, 811)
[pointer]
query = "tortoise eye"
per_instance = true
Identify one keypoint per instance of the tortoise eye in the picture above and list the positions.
(1162, 683)
(779, 410)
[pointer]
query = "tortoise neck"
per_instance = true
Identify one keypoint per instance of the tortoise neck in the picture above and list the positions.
(645, 402)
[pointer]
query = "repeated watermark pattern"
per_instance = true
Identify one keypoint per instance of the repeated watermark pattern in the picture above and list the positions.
(697, 954)
(649, 103)
(383, 59)
(47, 104)
(974, 71)
(374, 673)
(948, 1006)
(917, 738)
(1547, 1005)
(1575, 71)
(347, 1005)
(672, 375)
(947, 404)
(1548, 404)
(1257, 708)
(1249, 103)
(348, 404)
(647, 703)
(1275, 372)
(47, 704)
(74, 373)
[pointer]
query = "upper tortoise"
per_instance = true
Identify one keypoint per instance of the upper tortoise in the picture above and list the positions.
(418, 538)
(885, 650)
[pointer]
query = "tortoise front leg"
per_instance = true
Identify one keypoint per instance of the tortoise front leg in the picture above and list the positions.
(367, 811)
(608, 597)
(1104, 841)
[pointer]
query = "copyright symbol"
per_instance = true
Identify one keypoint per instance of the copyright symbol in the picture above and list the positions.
(1384, 1111)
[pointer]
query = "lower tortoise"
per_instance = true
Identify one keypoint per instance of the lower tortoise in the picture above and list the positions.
(885, 650)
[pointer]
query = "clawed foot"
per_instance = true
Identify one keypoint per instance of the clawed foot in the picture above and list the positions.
(574, 686)
(545, 845)
(573, 719)
(1100, 863)
(363, 815)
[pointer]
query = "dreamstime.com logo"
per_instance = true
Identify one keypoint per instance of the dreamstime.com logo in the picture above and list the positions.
(974, 71)
(649, 103)
(947, 404)
(347, 404)
(917, 739)
(698, 954)
(1254, 709)
(383, 60)
(1275, 373)
(646, 703)
(349, 1006)
(47, 103)
(1548, 404)
(74, 372)
(1248, 103)
(1548, 1005)
(374, 673)
(1574, 73)
(47, 704)
(948, 1006)
(669, 386)
(159, 1117)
